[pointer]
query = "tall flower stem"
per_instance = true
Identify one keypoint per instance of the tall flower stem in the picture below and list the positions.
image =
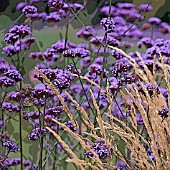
(82, 86)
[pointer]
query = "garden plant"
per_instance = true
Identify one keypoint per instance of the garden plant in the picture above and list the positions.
(79, 94)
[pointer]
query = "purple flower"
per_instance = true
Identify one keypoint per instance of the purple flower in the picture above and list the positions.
(125, 5)
(20, 5)
(54, 110)
(14, 161)
(10, 50)
(5, 81)
(108, 24)
(86, 32)
(145, 7)
(35, 134)
(81, 52)
(146, 41)
(55, 4)
(29, 9)
(10, 107)
(2, 123)
(100, 148)
(151, 156)
(27, 163)
(154, 20)
(63, 79)
(105, 10)
(68, 53)
(14, 74)
(16, 32)
(164, 112)
(121, 165)
(139, 119)
(49, 73)
(41, 91)
(165, 28)
(11, 146)
(70, 125)
(16, 96)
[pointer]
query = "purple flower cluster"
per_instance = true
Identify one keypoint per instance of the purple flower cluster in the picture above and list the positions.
(108, 24)
(10, 107)
(164, 112)
(17, 37)
(17, 32)
(100, 148)
(35, 133)
(61, 78)
(11, 146)
(29, 10)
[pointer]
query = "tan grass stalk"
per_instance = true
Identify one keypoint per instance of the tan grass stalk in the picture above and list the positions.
(55, 91)
(90, 81)
(99, 117)
(82, 162)
(138, 70)
(148, 72)
(66, 148)
(80, 140)
(78, 107)
(166, 77)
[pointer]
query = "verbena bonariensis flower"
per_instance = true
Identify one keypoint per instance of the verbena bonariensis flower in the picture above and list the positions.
(14, 162)
(16, 32)
(6, 82)
(35, 134)
(63, 79)
(105, 10)
(10, 50)
(86, 32)
(145, 7)
(29, 9)
(10, 107)
(72, 69)
(70, 125)
(125, 5)
(164, 112)
(41, 91)
(154, 20)
(146, 41)
(100, 148)
(54, 110)
(11, 146)
(165, 27)
(16, 96)
(151, 156)
(13, 74)
(121, 165)
(108, 24)
(55, 4)
(139, 119)
(49, 73)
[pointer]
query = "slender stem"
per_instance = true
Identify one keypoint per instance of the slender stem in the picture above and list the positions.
(82, 86)
(20, 129)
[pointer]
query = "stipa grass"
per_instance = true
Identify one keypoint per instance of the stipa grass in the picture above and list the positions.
(147, 147)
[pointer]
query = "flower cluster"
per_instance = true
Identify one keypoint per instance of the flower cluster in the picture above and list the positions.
(11, 146)
(101, 150)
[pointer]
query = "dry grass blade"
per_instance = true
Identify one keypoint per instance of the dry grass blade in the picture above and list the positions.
(138, 70)
(99, 118)
(78, 107)
(55, 91)
(90, 81)
(66, 148)
(82, 162)
(81, 141)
